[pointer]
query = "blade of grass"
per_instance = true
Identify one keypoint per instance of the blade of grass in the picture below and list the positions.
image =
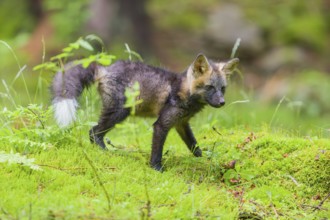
(9, 96)
(236, 45)
(17, 75)
(238, 102)
(276, 110)
(12, 51)
(39, 84)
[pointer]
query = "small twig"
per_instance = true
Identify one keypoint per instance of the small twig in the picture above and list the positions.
(313, 207)
(321, 203)
(99, 180)
(241, 200)
(110, 143)
(166, 205)
(148, 205)
(30, 211)
(293, 180)
(258, 205)
(37, 115)
(188, 191)
(72, 168)
(274, 209)
(216, 131)
(4, 211)
(213, 147)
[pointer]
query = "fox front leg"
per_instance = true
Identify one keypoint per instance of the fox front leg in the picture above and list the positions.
(187, 136)
(166, 120)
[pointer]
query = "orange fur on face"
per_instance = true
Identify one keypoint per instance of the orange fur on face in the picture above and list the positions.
(199, 81)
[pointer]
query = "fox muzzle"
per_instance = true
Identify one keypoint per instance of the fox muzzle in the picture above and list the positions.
(215, 99)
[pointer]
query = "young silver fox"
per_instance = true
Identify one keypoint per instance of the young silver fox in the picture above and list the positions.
(171, 97)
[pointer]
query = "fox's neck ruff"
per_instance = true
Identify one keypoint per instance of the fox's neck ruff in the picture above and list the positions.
(190, 79)
(184, 90)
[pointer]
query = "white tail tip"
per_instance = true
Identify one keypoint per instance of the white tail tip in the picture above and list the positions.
(65, 111)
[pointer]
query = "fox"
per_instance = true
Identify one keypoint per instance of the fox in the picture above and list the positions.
(172, 98)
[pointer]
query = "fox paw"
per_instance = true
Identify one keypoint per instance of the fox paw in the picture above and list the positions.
(197, 152)
(157, 167)
(96, 140)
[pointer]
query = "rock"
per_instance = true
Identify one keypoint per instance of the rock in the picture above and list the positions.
(280, 57)
(226, 24)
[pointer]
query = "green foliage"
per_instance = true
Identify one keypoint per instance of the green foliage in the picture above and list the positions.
(21, 23)
(34, 115)
(57, 62)
(290, 22)
(70, 16)
(298, 29)
(183, 15)
(13, 158)
(132, 93)
(25, 129)
(132, 99)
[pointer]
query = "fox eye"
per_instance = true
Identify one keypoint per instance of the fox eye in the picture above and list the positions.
(200, 86)
(209, 87)
(223, 89)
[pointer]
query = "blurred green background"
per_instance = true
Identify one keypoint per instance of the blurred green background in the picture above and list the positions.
(284, 49)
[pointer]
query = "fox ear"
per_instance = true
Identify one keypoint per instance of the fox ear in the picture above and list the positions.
(200, 66)
(230, 65)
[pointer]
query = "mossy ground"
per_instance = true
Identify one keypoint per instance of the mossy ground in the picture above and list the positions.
(276, 174)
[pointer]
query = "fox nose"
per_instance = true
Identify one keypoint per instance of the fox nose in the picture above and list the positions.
(222, 101)
(216, 100)
(219, 104)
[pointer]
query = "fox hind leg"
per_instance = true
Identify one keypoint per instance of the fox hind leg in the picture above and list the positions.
(108, 119)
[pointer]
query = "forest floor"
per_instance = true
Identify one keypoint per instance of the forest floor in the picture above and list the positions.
(257, 172)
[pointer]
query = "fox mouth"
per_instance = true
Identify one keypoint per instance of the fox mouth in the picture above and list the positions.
(215, 101)
(217, 105)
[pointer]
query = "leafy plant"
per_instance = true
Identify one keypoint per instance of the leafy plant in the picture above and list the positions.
(132, 95)
(16, 158)
(81, 45)
(32, 116)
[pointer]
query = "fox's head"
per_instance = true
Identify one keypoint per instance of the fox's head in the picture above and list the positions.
(207, 79)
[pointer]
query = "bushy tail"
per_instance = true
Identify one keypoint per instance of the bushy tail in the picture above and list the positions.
(67, 86)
